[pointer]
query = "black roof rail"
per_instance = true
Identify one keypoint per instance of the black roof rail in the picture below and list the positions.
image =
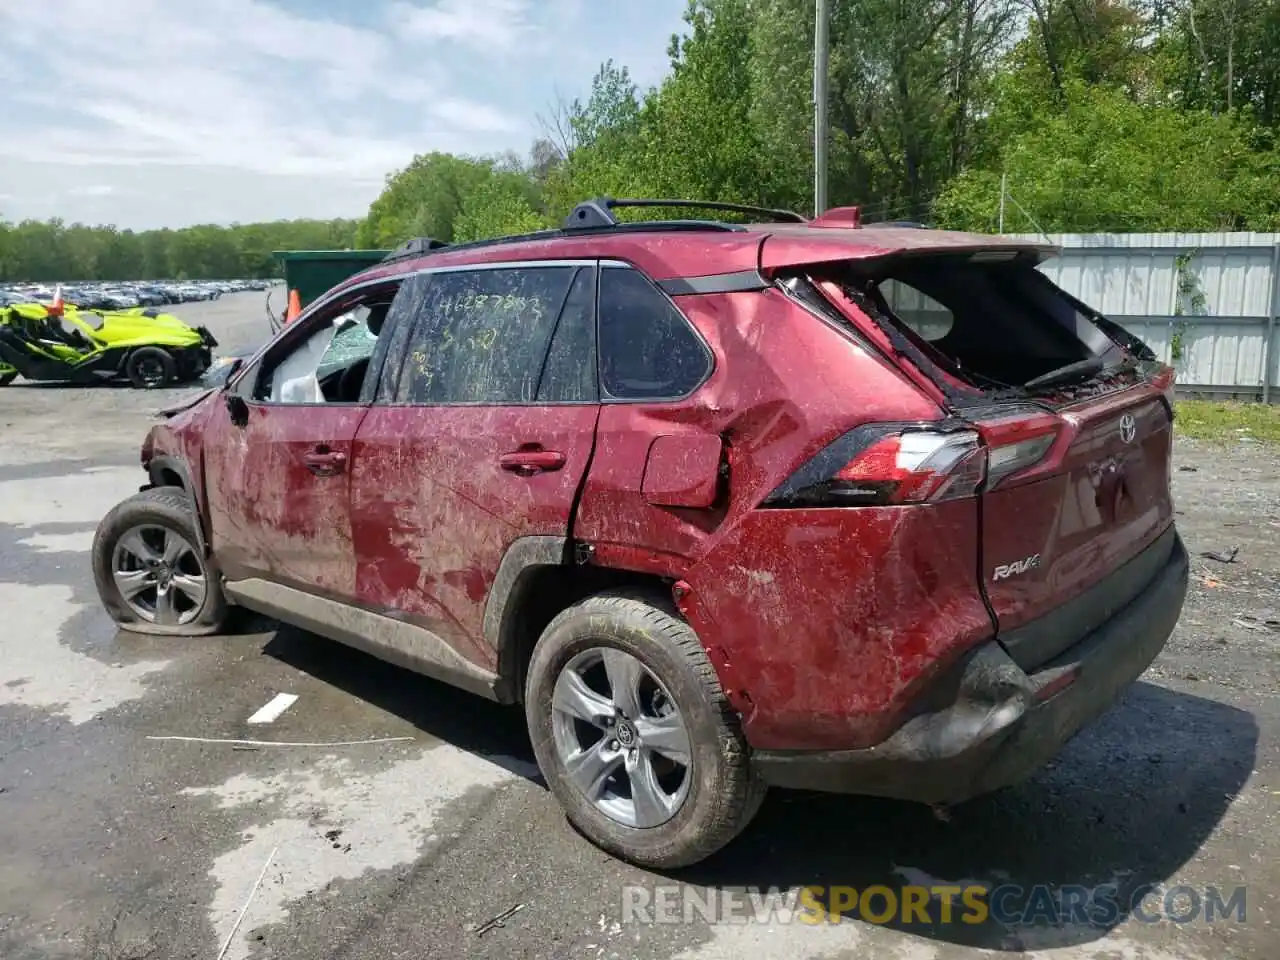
(415, 248)
(899, 223)
(598, 213)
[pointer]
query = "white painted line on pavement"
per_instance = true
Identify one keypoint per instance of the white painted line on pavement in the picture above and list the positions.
(275, 706)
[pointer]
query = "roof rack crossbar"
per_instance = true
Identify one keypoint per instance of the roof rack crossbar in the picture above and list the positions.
(415, 248)
(599, 212)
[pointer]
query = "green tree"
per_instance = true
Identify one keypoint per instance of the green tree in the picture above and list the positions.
(1108, 163)
(52, 250)
(499, 207)
(423, 200)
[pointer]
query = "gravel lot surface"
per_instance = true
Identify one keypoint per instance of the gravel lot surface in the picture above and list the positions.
(114, 846)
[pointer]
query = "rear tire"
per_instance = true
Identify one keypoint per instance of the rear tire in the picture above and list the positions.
(601, 638)
(150, 368)
(150, 572)
(7, 378)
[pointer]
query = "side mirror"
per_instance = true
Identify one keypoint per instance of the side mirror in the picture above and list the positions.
(223, 369)
(237, 409)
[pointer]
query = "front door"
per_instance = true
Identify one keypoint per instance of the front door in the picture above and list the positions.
(278, 453)
(480, 439)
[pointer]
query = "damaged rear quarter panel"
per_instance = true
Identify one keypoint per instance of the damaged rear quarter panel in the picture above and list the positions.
(821, 623)
(831, 619)
(784, 385)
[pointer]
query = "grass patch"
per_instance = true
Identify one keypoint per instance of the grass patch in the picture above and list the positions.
(1225, 421)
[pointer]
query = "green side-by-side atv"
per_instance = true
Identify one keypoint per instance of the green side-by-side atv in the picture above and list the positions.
(148, 348)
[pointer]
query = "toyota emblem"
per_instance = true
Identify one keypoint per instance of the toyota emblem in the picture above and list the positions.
(1128, 428)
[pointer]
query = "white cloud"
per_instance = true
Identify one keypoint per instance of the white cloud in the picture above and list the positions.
(284, 102)
(494, 25)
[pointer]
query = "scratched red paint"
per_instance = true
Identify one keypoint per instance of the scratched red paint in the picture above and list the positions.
(683, 470)
(435, 511)
(822, 623)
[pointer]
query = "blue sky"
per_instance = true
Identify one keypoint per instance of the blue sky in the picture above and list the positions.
(148, 113)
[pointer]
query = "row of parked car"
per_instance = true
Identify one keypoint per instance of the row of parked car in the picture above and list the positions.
(125, 295)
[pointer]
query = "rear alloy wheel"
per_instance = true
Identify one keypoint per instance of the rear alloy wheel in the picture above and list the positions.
(150, 367)
(150, 572)
(627, 750)
(634, 735)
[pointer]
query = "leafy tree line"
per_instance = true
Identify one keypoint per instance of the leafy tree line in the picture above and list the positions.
(53, 250)
(1100, 115)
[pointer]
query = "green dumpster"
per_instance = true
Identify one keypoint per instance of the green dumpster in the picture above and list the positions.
(312, 272)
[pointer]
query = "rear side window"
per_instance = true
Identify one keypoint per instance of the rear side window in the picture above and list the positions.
(569, 374)
(648, 350)
(481, 336)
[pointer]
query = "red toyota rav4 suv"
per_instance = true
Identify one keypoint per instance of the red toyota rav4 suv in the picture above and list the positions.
(878, 510)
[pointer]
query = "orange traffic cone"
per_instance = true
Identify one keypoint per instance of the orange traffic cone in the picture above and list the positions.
(56, 308)
(295, 307)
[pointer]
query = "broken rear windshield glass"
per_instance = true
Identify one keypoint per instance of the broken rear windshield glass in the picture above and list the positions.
(994, 326)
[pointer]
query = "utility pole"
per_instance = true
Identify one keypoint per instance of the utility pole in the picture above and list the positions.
(820, 58)
(1003, 179)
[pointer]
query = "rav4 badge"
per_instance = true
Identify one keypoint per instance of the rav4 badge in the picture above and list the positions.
(1017, 567)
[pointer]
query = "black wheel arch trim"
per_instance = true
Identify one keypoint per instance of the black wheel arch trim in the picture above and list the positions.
(156, 469)
(505, 601)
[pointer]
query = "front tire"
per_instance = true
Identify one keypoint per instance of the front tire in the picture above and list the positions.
(634, 735)
(149, 569)
(150, 368)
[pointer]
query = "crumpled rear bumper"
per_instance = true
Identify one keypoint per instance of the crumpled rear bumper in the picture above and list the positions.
(991, 724)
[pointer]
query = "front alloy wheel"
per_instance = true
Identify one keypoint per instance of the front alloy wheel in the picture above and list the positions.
(160, 575)
(149, 569)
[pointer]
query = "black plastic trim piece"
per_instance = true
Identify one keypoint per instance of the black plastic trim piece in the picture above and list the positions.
(744, 281)
(382, 634)
(503, 605)
(417, 247)
(156, 467)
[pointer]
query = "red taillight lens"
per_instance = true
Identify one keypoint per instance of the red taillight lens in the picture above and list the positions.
(884, 464)
(918, 467)
(1010, 458)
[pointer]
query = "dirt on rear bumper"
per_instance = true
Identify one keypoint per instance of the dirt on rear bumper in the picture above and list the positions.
(989, 723)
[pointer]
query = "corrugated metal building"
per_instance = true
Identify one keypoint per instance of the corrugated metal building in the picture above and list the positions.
(1205, 302)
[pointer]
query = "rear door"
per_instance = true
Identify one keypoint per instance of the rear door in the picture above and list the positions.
(479, 439)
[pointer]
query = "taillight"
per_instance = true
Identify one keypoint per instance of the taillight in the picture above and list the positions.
(1011, 458)
(882, 464)
(1017, 438)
